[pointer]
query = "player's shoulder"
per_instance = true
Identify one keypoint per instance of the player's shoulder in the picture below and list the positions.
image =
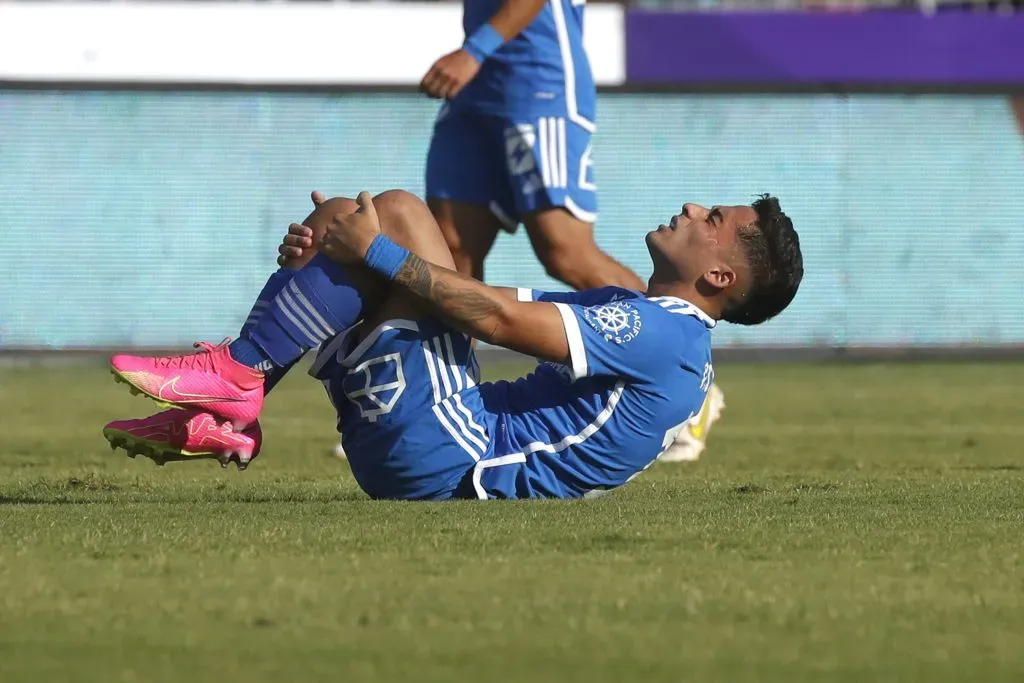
(661, 314)
(683, 328)
(610, 294)
(665, 322)
(680, 311)
(679, 325)
(583, 297)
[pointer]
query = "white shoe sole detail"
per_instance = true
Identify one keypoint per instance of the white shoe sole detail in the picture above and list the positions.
(688, 447)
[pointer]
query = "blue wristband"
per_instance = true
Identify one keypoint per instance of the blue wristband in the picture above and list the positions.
(385, 257)
(483, 42)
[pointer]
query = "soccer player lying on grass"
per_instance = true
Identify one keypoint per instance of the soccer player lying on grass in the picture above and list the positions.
(621, 371)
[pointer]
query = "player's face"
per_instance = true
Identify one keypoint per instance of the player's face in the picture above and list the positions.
(698, 239)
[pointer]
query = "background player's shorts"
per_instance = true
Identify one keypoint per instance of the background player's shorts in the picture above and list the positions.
(512, 166)
(409, 410)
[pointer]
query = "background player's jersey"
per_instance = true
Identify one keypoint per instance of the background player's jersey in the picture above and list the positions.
(640, 368)
(543, 68)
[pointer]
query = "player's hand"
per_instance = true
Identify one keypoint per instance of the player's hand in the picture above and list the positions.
(349, 235)
(294, 245)
(299, 239)
(449, 75)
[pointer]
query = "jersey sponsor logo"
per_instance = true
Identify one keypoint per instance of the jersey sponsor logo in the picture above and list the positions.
(617, 322)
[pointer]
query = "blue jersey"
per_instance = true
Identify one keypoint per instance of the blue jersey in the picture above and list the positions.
(545, 68)
(417, 424)
(640, 369)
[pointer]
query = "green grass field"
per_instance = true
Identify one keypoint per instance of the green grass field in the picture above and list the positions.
(848, 523)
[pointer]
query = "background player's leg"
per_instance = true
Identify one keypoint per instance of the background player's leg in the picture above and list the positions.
(565, 246)
(465, 177)
(469, 230)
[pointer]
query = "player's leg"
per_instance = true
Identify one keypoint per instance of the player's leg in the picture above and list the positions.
(323, 298)
(173, 435)
(469, 230)
(564, 244)
(191, 434)
(550, 175)
(466, 187)
(280, 278)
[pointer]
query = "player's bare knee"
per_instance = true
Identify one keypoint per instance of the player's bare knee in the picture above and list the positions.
(405, 219)
(321, 216)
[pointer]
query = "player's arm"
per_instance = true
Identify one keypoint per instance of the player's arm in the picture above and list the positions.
(486, 313)
(513, 17)
(525, 295)
(450, 74)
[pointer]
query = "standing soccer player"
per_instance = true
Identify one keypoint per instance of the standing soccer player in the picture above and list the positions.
(513, 144)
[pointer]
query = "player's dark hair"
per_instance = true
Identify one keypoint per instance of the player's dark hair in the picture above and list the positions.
(772, 249)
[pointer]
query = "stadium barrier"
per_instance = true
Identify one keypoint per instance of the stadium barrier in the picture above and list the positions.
(151, 155)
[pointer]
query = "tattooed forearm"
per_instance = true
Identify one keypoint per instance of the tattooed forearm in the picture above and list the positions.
(462, 303)
(457, 297)
(415, 276)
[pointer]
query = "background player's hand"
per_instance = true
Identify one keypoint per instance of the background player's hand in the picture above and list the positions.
(298, 240)
(449, 75)
(349, 235)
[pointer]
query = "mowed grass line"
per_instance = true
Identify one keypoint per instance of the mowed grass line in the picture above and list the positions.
(848, 523)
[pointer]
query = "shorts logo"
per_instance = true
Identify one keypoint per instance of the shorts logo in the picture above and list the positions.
(586, 179)
(618, 322)
(375, 386)
(519, 142)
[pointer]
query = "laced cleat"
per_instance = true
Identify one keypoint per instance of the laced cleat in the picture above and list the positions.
(209, 381)
(178, 435)
(691, 441)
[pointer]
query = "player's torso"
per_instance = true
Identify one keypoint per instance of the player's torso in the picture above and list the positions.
(545, 68)
(585, 437)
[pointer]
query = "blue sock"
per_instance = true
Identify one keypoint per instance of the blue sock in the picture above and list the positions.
(272, 374)
(274, 284)
(247, 353)
(312, 305)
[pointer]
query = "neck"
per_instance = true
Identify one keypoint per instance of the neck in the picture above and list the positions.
(686, 292)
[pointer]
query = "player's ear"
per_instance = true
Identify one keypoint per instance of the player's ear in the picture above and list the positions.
(720, 277)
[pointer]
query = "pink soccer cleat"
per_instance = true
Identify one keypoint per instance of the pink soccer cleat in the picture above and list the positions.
(175, 435)
(210, 381)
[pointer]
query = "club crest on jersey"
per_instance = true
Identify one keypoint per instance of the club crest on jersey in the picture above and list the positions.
(617, 322)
